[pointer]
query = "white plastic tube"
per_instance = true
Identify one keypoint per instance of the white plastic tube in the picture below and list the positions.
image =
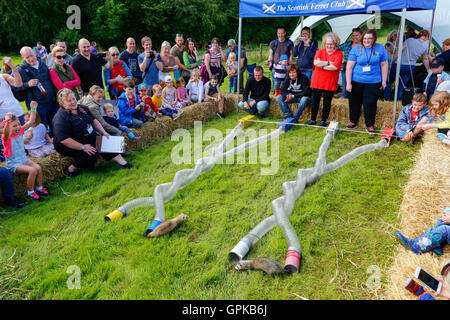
(282, 207)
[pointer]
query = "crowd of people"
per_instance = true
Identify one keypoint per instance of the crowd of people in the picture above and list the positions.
(65, 95)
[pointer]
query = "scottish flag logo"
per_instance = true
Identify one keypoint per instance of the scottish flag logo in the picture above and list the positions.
(269, 8)
(356, 4)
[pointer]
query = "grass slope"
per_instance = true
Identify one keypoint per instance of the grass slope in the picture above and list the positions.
(341, 222)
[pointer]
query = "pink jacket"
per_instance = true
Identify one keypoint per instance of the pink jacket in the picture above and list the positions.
(69, 84)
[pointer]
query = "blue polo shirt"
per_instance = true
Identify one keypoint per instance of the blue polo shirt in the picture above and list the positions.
(365, 59)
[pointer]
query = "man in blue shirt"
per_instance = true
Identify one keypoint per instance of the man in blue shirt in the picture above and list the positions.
(147, 65)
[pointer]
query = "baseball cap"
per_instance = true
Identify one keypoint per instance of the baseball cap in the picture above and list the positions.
(231, 42)
(142, 86)
(168, 79)
(283, 57)
(437, 62)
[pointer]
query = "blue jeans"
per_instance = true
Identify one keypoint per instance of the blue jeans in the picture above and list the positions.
(344, 85)
(307, 73)
(233, 82)
(259, 107)
(277, 84)
(136, 123)
(405, 75)
(46, 113)
(6, 184)
(302, 103)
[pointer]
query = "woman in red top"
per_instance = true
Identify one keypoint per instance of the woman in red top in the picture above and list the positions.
(327, 62)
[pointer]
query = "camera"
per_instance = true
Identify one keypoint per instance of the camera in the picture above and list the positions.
(152, 55)
(301, 38)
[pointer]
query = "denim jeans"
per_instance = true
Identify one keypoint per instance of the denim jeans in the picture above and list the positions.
(233, 82)
(259, 107)
(344, 85)
(136, 123)
(6, 184)
(302, 103)
(307, 73)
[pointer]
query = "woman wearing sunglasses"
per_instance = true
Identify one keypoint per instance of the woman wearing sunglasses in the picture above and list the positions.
(63, 75)
(115, 77)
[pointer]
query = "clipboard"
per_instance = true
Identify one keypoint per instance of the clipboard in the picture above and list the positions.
(113, 144)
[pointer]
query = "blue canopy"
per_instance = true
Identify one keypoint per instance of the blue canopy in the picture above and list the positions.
(290, 8)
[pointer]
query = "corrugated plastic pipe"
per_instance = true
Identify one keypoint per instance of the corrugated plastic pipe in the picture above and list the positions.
(283, 206)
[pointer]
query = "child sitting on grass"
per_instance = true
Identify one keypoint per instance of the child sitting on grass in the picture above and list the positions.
(157, 101)
(433, 240)
(150, 110)
(36, 139)
(111, 118)
(212, 93)
(411, 118)
(16, 158)
(130, 106)
(195, 87)
(440, 109)
(182, 93)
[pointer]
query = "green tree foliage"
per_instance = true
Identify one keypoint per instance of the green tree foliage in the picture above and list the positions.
(111, 22)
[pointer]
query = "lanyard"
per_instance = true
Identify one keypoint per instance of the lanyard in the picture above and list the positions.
(368, 59)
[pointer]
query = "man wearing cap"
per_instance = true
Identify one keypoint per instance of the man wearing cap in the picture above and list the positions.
(435, 77)
(232, 47)
(177, 51)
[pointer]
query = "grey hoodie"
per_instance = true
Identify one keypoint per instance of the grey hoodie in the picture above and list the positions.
(94, 108)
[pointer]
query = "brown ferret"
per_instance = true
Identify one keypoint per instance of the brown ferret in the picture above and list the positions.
(167, 226)
(269, 266)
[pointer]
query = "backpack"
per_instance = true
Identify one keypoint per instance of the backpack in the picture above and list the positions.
(275, 43)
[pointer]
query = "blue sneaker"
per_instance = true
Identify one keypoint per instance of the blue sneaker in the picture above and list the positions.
(408, 244)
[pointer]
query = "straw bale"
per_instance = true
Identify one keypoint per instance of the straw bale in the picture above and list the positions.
(339, 112)
(425, 197)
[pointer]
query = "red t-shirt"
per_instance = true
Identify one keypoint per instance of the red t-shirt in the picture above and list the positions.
(325, 79)
(414, 116)
(132, 101)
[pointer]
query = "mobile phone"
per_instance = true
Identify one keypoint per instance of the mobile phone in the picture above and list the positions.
(102, 55)
(427, 279)
(301, 38)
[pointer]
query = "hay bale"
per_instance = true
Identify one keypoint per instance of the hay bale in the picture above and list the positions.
(339, 111)
(425, 198)
(53, 165)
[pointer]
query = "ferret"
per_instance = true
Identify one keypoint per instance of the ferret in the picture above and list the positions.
(167, 226)
(269, 266)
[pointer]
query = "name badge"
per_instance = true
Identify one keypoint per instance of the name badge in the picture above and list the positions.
(367, 69)
(89, 129)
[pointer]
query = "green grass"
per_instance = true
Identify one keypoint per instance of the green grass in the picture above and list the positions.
(346, 218)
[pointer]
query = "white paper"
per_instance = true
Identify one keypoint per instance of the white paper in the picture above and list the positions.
(113, 144)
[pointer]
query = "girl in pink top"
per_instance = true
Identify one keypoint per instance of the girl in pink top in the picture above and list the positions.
(63, 75)
(14, 152)
(183, 96)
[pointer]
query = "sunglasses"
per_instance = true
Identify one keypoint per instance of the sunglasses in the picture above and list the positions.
(179, 34)
(61, 57)
(115, 54)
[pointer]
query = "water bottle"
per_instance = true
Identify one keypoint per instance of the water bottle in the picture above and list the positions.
(41, 87)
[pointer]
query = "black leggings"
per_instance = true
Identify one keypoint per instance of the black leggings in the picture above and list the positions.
(364, 94)
(81, 159)
(327, 97)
